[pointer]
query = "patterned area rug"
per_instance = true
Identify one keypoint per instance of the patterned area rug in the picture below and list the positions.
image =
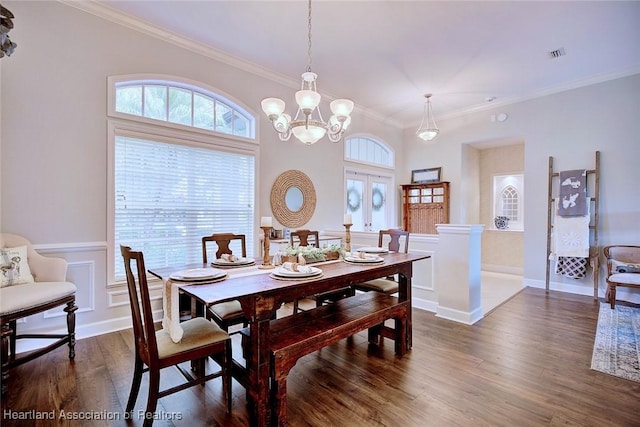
(616, 350)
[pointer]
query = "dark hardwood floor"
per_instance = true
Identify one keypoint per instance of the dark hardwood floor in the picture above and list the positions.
(527, 364)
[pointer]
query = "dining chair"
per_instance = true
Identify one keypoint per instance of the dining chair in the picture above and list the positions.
(229, 313)
(388, 285)
(623, 269)
(223, 242)
(303, 238)
(155, 350)
(31, 284)
(398, 241)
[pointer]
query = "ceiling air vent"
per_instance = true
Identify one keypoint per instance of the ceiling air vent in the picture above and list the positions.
(557, 53)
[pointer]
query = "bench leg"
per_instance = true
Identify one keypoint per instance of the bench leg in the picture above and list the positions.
(401, 336)
(374, 334)
(6, 336)
(70, 309)
(279, 402)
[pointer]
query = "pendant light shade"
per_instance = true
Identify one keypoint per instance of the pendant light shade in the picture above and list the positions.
(428, 129)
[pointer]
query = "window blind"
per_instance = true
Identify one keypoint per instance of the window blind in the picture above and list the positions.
(168, 196)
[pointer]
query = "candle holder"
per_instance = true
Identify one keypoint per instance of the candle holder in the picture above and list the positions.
(266, 259)
(347, 237)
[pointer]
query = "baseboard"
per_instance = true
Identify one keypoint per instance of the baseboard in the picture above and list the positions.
(423, 304)
(518, 271)
(466, 317)
(562, 287)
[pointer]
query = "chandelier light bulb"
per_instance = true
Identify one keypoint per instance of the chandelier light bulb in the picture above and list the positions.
(308, 100)
(273, 107)
(341, 107)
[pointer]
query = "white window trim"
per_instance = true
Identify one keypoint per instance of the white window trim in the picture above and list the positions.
(518, 184)
(222, 142)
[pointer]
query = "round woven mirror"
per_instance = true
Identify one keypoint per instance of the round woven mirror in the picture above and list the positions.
(293, 198)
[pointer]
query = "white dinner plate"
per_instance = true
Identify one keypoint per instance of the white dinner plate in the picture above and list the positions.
(373, 250)
(198, 274)
(367, 260)
(240, 262)
(288, 273)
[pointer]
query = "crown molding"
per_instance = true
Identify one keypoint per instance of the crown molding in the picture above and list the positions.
(576, 84)
(103, 11)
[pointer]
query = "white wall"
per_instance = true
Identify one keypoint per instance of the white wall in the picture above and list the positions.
(570, 126)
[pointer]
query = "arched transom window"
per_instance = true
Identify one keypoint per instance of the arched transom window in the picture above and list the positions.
(183, 104)
(364, 149)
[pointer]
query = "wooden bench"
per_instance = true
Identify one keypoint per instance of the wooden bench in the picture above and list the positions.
(295, 336)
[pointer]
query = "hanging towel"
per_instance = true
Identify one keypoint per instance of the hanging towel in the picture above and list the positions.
(571, 235)
(573, 193)
(572, 267)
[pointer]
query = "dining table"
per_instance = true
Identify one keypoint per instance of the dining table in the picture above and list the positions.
(261, 294)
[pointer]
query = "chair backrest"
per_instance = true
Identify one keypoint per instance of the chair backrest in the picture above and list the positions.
(141, 312)
(395, 236)
(303, 236)
(223, 240)
(44, 269)
(621, 254)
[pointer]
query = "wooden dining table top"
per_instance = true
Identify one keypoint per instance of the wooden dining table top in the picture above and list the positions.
(239, 283)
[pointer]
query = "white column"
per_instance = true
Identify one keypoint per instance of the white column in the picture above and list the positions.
(457, 264)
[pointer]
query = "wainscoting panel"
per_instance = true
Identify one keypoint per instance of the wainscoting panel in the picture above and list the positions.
(82, 274)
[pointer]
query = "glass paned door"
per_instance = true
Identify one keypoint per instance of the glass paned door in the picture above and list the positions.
(378, 192)
(368, 201)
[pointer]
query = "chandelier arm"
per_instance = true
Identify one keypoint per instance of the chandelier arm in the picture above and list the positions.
(284, 136)
(337, 128)
(333, 137)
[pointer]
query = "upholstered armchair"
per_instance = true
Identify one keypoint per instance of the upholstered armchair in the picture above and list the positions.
(29, 284)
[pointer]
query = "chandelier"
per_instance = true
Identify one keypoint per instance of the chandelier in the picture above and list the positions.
(308, 126)
(428, 128)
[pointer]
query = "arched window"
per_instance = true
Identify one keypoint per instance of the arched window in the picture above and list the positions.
(510, 203)
(182, 104)
(364, 149)
(508, 199)
(182, 162)
(369, 195)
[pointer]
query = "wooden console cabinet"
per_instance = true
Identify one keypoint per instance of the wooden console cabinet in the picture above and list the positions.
(424, 206)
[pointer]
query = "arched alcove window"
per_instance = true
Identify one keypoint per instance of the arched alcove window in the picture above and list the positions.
(508, 199)
(510, 203)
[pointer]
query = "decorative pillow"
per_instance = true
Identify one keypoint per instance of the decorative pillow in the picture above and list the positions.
(624, 267)
(14, 269)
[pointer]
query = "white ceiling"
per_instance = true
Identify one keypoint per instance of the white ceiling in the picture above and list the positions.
(385, 55)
